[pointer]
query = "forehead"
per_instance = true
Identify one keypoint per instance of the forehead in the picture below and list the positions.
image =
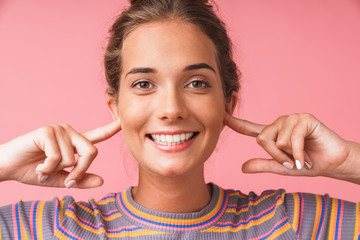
(167, 43)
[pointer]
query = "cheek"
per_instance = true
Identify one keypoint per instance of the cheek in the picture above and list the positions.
(210, 113)
(211, 110)
(133, 116)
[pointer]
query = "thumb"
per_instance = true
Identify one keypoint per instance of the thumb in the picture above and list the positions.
(87, 180)
(262, 165)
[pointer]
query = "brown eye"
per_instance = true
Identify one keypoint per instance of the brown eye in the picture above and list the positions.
(143, 85)
(198, 84)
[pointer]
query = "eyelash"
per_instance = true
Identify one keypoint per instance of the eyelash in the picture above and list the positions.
(204, 84)
(137, 84)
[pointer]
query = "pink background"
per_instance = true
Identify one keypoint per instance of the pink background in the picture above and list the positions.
(295, 56)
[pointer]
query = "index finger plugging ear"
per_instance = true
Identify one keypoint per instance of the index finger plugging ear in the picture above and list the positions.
(103, 133)
(243, 126)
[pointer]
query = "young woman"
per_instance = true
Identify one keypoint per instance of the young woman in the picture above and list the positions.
(172, 88)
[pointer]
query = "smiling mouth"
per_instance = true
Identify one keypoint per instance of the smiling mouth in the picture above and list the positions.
(171, 140)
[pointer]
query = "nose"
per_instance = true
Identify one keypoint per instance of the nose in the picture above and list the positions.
(171, 105)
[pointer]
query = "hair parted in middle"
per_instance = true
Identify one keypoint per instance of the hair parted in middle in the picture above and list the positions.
(197, 12)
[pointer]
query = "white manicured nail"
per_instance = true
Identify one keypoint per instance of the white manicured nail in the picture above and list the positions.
(307, 165)
(43, 178)
(288, 165)
(70, 183)
(298, 164)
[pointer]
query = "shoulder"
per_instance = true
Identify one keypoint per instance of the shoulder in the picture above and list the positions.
(265, 199)
(256, 214)
(31, 218)
(314, 215)
(89, 218)
(265, 207)
(90, 211)
(308, 216)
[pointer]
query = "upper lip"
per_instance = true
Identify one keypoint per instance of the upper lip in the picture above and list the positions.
(171, 132)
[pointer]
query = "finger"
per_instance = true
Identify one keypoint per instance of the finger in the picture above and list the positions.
(283, 140)
(307, 163)
(297, 138)
(104, 132)
(87, 153)
(243, 126)
(48, 143)
(266, 139)
(66, 148)
(42, 177)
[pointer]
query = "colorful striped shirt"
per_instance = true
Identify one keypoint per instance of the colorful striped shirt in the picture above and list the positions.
(229, 215)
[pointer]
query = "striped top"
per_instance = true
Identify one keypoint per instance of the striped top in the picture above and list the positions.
(229, 215)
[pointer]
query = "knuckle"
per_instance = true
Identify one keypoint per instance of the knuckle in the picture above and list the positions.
(69, 160)
(47, 131)
(66, 126)
(281, 118)
(55, 157)
(93, 151)
(307, 115)
(261, 139)
(282, 143)
(57, 127)
(293, 116)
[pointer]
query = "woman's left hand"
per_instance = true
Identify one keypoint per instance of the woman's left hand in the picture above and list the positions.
(300, 145)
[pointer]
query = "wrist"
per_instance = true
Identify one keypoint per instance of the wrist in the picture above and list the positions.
(3, 161)
(353, 163)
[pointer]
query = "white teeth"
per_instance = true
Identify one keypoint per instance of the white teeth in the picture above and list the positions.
(182, 136)
(176, 138)
(171, 140)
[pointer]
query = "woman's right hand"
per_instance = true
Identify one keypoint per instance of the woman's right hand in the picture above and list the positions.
(40, 157)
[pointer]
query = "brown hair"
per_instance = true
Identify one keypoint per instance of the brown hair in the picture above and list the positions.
(197, 12)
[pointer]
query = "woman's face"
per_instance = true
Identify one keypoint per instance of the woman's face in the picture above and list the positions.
(171, 104)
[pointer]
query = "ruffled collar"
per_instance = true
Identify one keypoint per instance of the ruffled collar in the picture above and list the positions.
(156, 220)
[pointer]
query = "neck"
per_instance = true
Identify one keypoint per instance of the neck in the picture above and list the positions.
(182, 194)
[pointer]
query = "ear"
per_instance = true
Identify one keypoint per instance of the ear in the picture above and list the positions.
(112, 106)
(230, 106)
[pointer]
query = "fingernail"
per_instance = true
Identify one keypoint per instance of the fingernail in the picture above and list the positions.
(43, 178)
(70, 183)
(288, 165)
(307, 165)
(298, 164)
(38, 172)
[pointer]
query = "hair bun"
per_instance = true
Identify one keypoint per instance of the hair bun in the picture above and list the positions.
(133, 2)
(204, 1)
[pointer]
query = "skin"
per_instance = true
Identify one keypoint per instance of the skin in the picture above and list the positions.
(46, 151)
(172, 99)
(170, 102)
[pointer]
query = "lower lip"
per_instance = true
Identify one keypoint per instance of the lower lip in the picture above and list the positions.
(173, 148)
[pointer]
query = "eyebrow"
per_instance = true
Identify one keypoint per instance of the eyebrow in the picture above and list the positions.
(187, 68)
(198, 66)
(141, 70)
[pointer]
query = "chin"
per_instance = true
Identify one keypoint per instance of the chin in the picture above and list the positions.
(172, 169)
